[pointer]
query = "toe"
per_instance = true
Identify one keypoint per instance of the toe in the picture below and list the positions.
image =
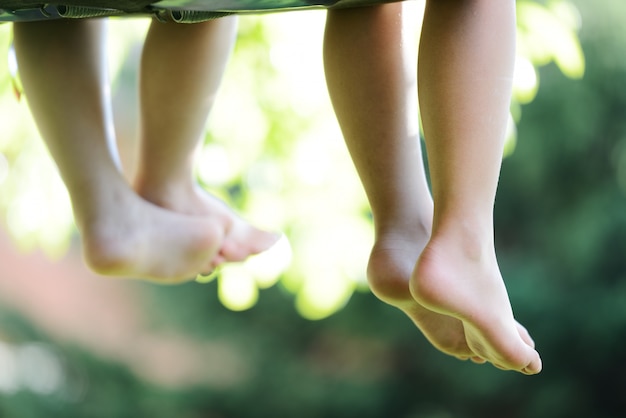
(534, 367)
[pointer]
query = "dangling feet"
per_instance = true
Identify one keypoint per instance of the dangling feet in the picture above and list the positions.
(129, 237)
(389, 270)
(390, 266)
(241, 239)
(459, 278)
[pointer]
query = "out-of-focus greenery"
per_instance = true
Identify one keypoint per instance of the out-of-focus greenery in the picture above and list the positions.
(561, 239)
(273, 150)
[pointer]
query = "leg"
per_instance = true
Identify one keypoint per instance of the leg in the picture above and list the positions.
(465, 74)
(174, 111)
(63, 69)
(373, 88)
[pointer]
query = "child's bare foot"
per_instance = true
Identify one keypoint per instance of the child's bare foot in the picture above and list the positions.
(133, 238)
(241, 239)
(461, 279)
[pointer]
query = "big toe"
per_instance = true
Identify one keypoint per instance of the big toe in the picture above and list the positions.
(535, 365)
(244, 242)
(529, 363)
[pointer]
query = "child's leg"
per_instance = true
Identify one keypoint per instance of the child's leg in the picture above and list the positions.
(181, 69)
(465, 74)
(371, 78)
(62, 66)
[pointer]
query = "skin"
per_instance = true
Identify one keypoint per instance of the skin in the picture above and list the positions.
(173, 120)
(433, 258)
(125, 234)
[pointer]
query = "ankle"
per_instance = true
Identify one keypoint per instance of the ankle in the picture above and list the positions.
(392, 230)
(471, 239)
(165, 194)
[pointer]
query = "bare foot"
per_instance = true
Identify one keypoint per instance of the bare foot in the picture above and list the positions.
(463, 282)
(133, 238)
(241, 239)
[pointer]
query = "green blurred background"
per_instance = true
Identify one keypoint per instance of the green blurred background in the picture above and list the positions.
(298, 334)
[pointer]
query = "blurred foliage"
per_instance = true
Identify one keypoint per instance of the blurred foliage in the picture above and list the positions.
(561, 239)
(273, 150)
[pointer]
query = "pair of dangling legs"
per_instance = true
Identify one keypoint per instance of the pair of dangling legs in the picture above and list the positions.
(433, 257)
(163, 227)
